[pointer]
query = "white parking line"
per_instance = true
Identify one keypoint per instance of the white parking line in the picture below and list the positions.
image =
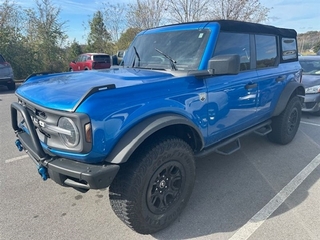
(309, 123)
(260, 217)
(16, 159)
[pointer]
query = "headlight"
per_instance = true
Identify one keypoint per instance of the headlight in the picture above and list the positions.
(71, 137)
(314, 89)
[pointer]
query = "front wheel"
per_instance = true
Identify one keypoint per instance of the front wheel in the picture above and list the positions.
(285, 126)
(153, 188)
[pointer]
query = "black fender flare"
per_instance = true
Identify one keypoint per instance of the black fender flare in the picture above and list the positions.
(132, 139)
(286, 94)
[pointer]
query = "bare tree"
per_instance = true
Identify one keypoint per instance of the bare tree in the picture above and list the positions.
(242, 10)
(146, 13)
(187, 10)
(115, 19)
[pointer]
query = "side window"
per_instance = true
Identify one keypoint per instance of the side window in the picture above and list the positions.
(289, 48)
(235, 43)
(266, 49)
(83, 58)
(79, 58)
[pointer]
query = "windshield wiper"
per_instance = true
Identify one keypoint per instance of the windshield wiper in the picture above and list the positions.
(172, 62)
(137, 54)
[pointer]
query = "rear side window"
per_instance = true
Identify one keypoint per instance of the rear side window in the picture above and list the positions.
(235, 43)
(101, 58)
(266, 51)
(289, 48)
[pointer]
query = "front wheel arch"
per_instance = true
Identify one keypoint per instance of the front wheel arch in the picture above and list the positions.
(163, 124)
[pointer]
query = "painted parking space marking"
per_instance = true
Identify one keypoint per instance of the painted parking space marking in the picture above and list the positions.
(309, 123)
(16, 159)
(260, 217)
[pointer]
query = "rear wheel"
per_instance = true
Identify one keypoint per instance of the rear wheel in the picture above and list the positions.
(285, 126)
(152, 189)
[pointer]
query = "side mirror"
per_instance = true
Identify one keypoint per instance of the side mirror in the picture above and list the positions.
(224, 64)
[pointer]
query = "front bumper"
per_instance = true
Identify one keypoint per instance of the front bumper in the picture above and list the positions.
(66, 172)
(311, 103)
(6, 80)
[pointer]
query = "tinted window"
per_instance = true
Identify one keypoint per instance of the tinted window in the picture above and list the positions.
(235, 43)
(289, 48)
(101, 58)
(266, 49)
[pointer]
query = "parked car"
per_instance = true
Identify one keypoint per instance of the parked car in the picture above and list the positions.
(6, 74)
(184, 91)
(90, 61)
(311, 82)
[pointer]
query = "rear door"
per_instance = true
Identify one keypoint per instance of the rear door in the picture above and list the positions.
(273, 73)
(82, 62)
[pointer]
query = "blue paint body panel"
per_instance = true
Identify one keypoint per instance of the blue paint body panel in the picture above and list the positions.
(218, 106)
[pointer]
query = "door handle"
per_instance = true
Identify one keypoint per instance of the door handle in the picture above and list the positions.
(281, 78)
(251, 85)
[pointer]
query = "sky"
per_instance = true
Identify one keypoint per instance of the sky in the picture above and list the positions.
(302, 16)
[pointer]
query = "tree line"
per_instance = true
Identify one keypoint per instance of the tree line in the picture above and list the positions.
(35, 39)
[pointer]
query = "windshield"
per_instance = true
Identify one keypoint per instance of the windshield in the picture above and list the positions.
(310, 67)
(178, 50)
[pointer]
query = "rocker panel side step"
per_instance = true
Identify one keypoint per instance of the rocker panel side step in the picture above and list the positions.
(235, 140)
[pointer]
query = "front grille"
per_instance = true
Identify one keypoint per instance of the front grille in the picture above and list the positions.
(309, 105)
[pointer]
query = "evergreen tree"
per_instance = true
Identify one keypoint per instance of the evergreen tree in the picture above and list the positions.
(98, 37)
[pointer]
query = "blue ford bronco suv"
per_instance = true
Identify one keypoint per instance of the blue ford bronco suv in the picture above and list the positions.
(184, 91)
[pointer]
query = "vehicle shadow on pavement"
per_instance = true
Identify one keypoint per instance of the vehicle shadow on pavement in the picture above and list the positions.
(230, 190)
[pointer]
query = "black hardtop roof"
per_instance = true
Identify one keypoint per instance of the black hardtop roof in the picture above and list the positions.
(248, 27)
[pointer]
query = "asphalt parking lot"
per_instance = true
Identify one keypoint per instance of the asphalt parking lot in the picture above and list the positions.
(263, 191)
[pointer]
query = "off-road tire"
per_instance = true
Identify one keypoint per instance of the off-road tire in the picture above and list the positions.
(152, 189)
(285, 126)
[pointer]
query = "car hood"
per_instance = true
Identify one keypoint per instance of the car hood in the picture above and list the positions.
(63, 91)
(310, 80)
